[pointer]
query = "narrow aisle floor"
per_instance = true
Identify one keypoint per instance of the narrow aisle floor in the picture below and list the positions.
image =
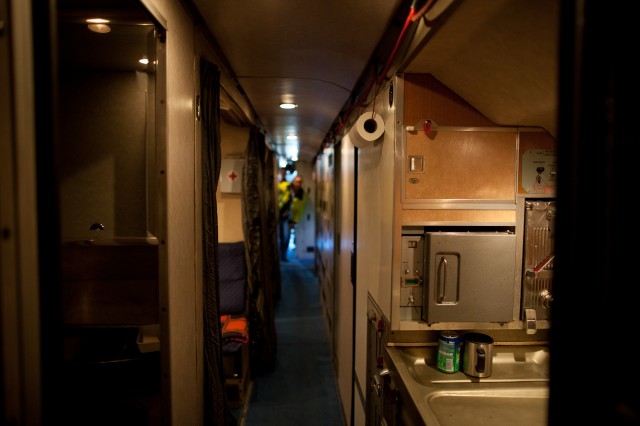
(302, 390)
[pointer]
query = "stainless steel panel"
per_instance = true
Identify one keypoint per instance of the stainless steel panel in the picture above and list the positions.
(539, 240)
(411, 279)
(470, 276)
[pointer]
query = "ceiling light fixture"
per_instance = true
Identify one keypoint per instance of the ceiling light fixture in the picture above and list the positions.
(98, 25)
(99, 28)
(292, 137)
(288, 105)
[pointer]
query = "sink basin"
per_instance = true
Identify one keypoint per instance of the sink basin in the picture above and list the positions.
(522, 406)
(517, 392)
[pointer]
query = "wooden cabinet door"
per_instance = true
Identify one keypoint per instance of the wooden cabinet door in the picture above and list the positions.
(461, 165)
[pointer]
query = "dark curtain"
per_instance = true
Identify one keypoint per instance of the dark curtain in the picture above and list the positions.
(598, 154)
(215, 408)
(260, 231)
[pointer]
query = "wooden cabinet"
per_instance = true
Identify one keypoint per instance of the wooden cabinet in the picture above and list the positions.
(110, 284)
(461, 165)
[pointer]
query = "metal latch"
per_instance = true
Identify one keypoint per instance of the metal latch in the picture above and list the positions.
(530, 321)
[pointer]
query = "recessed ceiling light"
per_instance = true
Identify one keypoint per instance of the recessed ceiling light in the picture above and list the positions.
(292, 137)
(143, 61)
(99, 28)
(287, 105)
(98, 25)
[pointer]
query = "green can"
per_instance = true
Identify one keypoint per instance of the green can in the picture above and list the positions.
(448, 360)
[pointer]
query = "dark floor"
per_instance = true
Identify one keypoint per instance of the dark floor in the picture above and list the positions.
(302, 390)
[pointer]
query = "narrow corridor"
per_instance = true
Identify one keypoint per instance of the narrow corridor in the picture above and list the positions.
(302, 390)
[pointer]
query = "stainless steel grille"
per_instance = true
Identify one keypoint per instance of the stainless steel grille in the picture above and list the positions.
(539, 242)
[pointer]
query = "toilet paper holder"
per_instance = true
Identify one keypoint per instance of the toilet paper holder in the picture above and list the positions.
(368, 128)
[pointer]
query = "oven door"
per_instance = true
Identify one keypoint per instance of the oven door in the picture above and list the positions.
(470, 276)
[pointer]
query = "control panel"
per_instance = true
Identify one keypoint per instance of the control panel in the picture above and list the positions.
(412, 270)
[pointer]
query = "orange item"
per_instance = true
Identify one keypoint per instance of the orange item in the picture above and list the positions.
(234, 329)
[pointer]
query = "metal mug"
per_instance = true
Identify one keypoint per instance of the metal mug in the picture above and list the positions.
(477, 356)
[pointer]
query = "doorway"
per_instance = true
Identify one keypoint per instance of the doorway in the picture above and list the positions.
(109, 154)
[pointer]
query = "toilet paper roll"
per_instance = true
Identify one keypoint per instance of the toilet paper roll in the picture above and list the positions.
(368, 128)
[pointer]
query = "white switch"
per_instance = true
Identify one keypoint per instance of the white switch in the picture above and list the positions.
(416, 164)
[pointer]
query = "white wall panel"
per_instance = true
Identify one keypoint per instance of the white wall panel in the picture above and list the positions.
(344, 301)
(184, 316)
(375, 230)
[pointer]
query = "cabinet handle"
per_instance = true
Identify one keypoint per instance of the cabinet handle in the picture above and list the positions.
(442, 280)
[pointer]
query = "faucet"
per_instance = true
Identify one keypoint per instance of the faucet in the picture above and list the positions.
(96, 227)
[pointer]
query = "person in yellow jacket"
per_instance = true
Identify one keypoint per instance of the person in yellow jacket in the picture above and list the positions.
(291, 202)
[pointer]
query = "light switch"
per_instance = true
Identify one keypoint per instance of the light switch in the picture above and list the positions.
(416, 164)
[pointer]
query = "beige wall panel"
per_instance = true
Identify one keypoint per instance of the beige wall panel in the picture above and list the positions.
(425, 97)
(423, 216)
(230, 226)
(234, 140)
(229, 217)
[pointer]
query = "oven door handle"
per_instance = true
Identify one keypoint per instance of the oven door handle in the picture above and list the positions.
(441, 284)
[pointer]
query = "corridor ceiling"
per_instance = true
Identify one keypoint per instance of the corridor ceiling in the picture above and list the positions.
(310, 53)
(499, 55)
(327, 56)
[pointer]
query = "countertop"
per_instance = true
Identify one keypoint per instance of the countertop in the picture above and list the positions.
(515, 393)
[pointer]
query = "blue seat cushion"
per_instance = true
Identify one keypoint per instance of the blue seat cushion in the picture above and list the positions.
(233, 278)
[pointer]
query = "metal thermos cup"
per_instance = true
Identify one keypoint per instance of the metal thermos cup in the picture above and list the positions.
(477, 354)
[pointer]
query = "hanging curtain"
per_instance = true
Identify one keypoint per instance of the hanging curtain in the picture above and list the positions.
(216, 411)
(260, 232)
